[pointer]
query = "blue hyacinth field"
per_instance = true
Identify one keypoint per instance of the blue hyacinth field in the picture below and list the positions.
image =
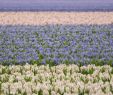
(56, 44)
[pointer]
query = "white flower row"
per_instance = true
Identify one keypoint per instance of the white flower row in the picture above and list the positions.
(56, 80)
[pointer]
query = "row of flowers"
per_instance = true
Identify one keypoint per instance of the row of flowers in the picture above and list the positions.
(56, 80)
(58, 43)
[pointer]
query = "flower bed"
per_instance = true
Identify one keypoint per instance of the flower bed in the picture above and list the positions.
(56, 80)
(84, 52)
(54, 44)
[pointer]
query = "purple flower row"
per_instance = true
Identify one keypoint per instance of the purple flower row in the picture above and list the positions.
(56, 42)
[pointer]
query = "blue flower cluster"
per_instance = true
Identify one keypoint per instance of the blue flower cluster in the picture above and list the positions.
(58, 43)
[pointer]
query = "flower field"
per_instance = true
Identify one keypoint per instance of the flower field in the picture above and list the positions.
(54, 44)
(56, 80)
(53, 53)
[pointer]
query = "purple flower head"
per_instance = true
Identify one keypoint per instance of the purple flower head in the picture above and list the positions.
(43, 62)
(40, 49)
(63, 38)
(56, 60)
(66, 48)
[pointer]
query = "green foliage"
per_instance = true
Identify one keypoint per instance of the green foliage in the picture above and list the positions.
(0, 87)
(110, 62)
(27, 79)
(40, 92)
(81, 92)
(50, 63)
(40, 56)
(67, 62)
(65, 71)
(105, 80)
(111, 88)
(112, 71)
(102, 70)
(85, 80)
(94, 31)
(86, 72)
(97, 62)
(108, 32)
(25, 93)
(66, 43)
(5, 79)
(35, 62)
